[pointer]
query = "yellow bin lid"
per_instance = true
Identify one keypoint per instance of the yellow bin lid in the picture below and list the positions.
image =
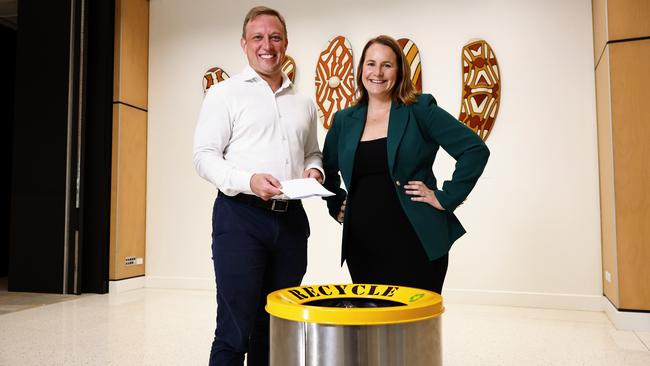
(309, 304)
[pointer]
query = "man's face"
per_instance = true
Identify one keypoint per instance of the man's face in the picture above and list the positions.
(265, 45)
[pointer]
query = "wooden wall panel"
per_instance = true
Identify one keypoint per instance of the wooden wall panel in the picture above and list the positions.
(606, 165)
(129, 170)
(599, 15)
(628, 19)
(631, 132)
(128, 187)
(131, 52)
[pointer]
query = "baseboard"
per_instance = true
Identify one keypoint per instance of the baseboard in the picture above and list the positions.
(119, 286)
(524, 299)
(626, 320)
(186, 283)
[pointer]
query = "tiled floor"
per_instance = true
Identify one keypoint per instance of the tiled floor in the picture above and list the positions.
(174, 327)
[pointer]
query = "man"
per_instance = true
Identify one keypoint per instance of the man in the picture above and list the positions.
(253, 132)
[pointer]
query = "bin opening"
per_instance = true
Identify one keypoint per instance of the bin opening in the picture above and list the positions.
(354, 302)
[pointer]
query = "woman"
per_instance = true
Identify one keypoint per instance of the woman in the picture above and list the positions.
(398, 226)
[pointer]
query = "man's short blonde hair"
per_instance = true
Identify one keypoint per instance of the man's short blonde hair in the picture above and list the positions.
(262, 10)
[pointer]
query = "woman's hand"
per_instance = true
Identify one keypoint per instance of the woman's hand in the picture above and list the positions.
(339, 218)
(422, 193)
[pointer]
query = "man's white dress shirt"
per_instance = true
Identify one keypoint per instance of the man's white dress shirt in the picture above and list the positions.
(245, 128)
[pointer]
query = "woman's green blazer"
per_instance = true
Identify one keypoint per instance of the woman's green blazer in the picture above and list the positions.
(415, 132)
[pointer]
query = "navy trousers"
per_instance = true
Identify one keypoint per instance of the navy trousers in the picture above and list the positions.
(255, 251)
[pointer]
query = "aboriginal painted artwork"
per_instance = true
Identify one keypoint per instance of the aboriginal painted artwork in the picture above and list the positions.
(289, 67)
(334, 79)
(412, 54)
(213, 76)
(481, 88)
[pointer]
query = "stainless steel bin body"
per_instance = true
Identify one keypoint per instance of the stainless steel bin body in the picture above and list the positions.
(310, 344)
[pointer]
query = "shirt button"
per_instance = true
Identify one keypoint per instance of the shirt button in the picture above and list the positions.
(397, 182)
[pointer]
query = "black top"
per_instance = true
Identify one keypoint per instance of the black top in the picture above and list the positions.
(377, 220)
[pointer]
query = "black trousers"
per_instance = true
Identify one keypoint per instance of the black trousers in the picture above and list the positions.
(255, 251)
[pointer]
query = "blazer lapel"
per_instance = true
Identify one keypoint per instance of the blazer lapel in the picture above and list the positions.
(353, 130)
(397, 122)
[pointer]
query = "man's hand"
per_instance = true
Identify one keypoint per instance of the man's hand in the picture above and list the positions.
(313, 173)
(265, 186)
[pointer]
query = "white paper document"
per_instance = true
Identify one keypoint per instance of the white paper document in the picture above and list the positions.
(303, 188)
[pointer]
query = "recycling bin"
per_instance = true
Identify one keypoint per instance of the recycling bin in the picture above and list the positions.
(355, 325)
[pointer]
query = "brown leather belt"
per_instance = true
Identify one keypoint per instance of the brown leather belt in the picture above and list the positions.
(272, 204)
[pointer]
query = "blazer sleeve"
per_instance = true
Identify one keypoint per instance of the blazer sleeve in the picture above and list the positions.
(331, 167)
(460, 142)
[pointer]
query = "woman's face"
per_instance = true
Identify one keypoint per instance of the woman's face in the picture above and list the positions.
(379, 71)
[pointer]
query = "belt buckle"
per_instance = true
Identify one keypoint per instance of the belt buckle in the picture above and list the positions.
(280, 205)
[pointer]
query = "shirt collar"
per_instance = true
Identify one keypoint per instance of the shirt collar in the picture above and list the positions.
(251, 75)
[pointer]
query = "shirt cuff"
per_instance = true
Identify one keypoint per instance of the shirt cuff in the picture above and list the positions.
(242, 180)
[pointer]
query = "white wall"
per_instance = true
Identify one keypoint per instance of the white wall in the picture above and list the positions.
(533, 222)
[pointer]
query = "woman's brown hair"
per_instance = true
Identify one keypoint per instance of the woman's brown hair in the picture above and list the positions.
(403, 92)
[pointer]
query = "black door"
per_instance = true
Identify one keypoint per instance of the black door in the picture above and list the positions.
(60, 195)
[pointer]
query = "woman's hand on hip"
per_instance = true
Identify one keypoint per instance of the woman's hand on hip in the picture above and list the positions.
(421, 193)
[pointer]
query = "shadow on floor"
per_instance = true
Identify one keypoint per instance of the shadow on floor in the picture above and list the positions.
(16, 301)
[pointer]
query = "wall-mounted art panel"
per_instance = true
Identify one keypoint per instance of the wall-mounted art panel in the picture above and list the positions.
(412, 54)
(213, 76)
(334, 78)
(481, 88)
(289, 67)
